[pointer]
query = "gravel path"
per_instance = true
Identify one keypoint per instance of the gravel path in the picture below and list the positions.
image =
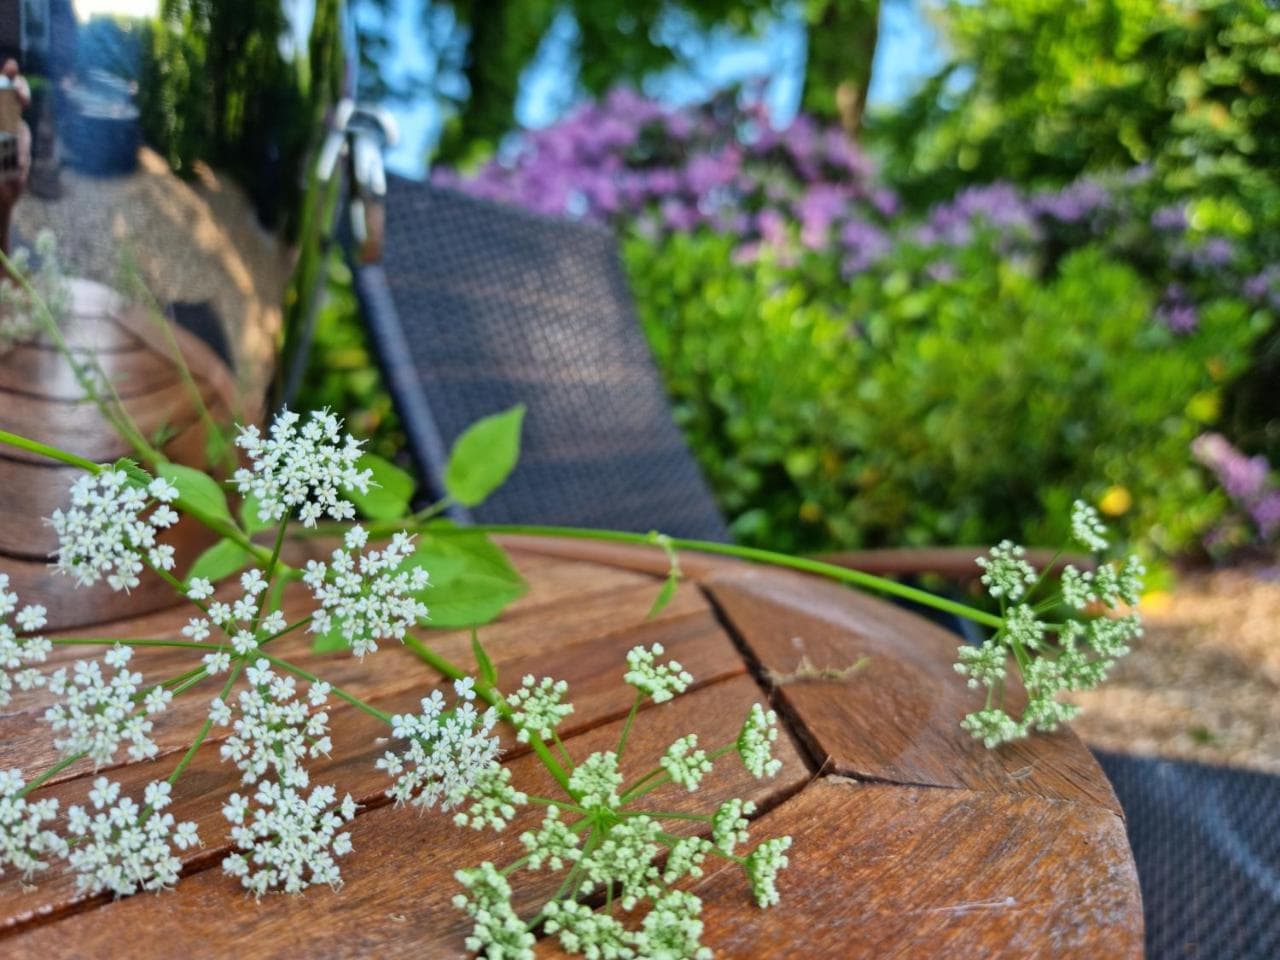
(1204, 682)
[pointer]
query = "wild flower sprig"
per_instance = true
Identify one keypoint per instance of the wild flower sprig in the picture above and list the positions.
(1050, 658)
(611, 843)
(104, 533)
(20, 652)
(20, 311)
(287, 838)
(369, 596)
(120, 847)
(25, 834)
(446, 753)
(97, 712)
(302, 471)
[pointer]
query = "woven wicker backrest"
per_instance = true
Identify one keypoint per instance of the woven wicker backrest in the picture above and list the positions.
(476, 307)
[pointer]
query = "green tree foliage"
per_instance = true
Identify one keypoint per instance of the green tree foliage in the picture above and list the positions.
(1041, 90)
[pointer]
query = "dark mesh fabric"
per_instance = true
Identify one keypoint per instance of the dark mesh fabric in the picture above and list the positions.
(477, 307)
(1207, 844)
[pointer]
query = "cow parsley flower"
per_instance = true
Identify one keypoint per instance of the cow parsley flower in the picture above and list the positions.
(595, 781)
(755, 742)
(288, 839)
(538, 707)
(104, 533)
(762, 866)
(685, 763)
(661, 681)
(1087, 527)
(18, 654)
(97, 714)
(303, 469)
(24, 838)
(1051, 658)
(447, 753)
(685, 859)
(553, 844)
(122, 849)
(367, 595)
(499, 932)
(623, 859)
(493, 801)
(673, 928)
(1007, 574)
(275, 731)
(729, 824)
(584, 930)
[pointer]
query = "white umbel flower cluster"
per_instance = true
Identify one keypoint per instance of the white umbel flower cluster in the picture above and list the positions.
(286, 838)
(447, 753)
(24, 838)
(538, 707)
(685, 763)
(104, 533)
(121, 847)
(301, 470)
(661, 681)
(241, 620)
(18, 654)
(1050, 658)
(755, 742)
(367, 595)
(96, 714)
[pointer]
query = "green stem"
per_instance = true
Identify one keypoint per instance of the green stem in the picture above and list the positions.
(205, 727)
(53, 453)
(125, 642)
(626, 727)
(52, 772)
(495, 699)
(755, 555)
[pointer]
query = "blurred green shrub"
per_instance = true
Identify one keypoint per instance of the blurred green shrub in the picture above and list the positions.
(902, 409)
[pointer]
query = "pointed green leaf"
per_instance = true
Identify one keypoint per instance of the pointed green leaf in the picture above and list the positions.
(389, 494)
(221, 560)
(483, 457)
(487, 673)
(472, 580)
(197, 492)
(664, 596)
(137, 476)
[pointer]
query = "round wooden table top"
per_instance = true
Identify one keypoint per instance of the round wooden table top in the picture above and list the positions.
(910, 840)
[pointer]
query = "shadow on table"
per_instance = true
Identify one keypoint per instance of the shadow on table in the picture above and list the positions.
(1207, 844)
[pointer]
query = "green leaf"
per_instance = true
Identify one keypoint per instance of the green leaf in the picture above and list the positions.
(137, 476)
(472, 580)
(221, 560)
(483, 457)
(664, 596)
(249, 516)
(198, 492)
(332, 640)
(389, 494)
(487, 672)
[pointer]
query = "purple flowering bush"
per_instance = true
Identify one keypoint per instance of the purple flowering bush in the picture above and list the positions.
(850, 374)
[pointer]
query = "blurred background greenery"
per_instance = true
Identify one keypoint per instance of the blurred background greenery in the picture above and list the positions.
(913, 273)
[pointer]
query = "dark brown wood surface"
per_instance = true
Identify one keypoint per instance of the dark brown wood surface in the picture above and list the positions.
(41, 398)
(910, 840)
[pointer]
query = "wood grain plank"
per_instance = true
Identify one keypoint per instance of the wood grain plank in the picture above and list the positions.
(897, 718)
(935, 873)
(642, 559)
(398, 882)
